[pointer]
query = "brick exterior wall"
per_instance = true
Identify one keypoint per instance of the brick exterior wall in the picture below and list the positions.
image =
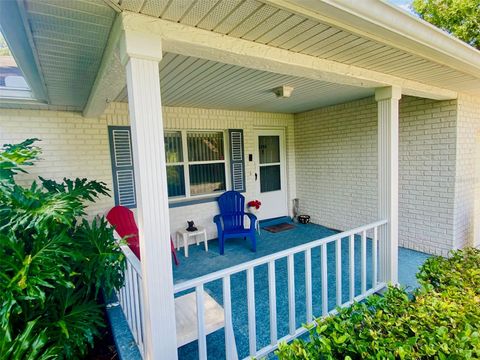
(427, 174)
(331, 161)
(467, 185)
(78, 147)
(336, 160)
(73, 146)
(337, 164)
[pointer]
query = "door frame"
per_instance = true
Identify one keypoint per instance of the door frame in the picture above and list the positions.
(280, 131)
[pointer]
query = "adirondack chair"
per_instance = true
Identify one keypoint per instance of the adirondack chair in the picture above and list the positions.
(123, 220)
(230, 222)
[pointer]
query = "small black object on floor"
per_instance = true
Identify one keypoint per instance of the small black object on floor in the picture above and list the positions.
(303, 219)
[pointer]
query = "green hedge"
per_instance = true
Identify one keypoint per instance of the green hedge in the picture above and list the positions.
(441, 320)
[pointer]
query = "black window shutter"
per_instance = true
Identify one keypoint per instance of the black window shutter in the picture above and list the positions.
(122, 166)
(237, 160)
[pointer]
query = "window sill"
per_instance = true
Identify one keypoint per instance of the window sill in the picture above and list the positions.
(188, 202)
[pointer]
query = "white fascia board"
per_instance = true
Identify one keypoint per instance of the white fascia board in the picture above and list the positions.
(387, 24)
(190, 41)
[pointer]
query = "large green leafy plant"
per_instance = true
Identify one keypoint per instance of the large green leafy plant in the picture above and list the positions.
(441, 320)
(53, 262)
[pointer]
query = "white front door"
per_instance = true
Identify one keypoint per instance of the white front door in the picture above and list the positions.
(270, 173)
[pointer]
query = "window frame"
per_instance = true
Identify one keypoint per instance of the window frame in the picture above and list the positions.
(186, 165)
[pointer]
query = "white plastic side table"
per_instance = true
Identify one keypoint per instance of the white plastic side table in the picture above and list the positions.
(185, 235)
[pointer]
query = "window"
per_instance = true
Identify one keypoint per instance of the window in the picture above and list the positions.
(195, 163)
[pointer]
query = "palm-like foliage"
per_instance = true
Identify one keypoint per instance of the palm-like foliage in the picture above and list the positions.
(53, 262)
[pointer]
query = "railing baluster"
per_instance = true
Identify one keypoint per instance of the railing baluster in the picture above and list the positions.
(130, 297)
(252, 331)
(140, 296)
(364, 261)
(291, 295)
(125, 293)
(230, 348)
(202, 337)
(374, 255)
(140, 311)
(120, 295)
(128, 293)
(351, 251)
(137, 305)
(134, 303)
(338, 275)
(324, 281)
(308, 285)
(272, 298)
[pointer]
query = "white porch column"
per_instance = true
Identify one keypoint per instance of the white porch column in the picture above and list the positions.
(141, 55)
(387, 98)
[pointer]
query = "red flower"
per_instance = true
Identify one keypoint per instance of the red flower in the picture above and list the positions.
(254, 203)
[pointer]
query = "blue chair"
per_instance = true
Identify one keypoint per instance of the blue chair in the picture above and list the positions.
(230, 222)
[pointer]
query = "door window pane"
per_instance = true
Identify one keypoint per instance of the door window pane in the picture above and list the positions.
(173, 147)
(270, 178)
(207, 178)
(269, 149)
(205, 146)
(175, 180)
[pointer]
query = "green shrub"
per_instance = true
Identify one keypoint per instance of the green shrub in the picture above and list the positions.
(440, 321)
(53, 262)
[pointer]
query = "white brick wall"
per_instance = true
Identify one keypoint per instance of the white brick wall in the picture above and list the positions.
(72, 146)
(467, 185)
(336, 159)
(77, 147)
(331, 160)
(337, 164)
(427, 174)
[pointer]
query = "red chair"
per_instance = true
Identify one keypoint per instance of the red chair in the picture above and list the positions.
(122, 219)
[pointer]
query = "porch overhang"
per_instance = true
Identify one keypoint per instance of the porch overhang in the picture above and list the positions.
(186, 40)
(12, 14)
(386, 23)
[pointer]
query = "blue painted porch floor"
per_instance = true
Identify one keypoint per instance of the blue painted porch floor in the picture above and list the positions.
(238, 251)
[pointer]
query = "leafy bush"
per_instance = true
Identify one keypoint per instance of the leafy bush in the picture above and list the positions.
(440, 321)
(53, 262)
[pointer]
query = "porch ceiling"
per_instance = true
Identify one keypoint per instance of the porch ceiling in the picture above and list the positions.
(275, 23)
(68, 40)
(192, 82)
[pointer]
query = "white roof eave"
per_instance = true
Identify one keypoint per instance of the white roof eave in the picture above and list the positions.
(13, 28)
(388, 24)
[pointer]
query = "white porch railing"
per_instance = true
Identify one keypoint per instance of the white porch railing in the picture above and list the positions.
(130, 295)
